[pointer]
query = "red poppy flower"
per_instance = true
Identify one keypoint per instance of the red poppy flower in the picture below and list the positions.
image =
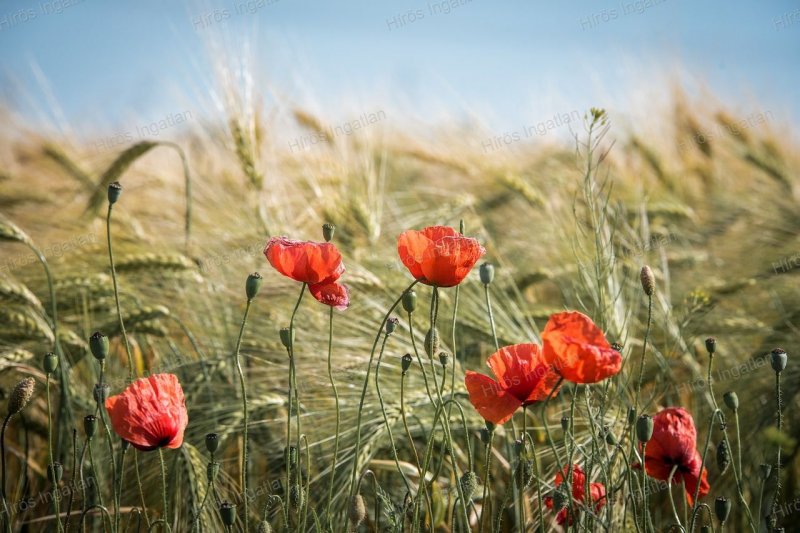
(674, 442)
(597, 492)
(438, 255)
(333, 294)
(578, 350)
(523, 377)
(305, 261)
(150, 413)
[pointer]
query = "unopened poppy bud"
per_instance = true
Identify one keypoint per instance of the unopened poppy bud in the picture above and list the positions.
(405, 363)
(98, 344)
(212, 443)
(253, 285)
(722, 508)
(711, 345)
(644, 428)
(631, 416)
(287, 337)
(264, 527)
(114, 190)
(101, 392)
(409, 301)
(227, 511)
(90, 425)
(564, 423)
(49, 363)
(328, 230)
(212, 469)
(357, 511)
(432, 342)
(54, 472)
(297, 496)
(469, 482)
(486, 272)
(765, 469)
(731, 400)
(648, 280)
(723, 456)
(779, 359)
(391, 325)
(21, 395)
(444, 357)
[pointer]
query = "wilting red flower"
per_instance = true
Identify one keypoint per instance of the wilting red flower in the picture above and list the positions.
(305, 261)
(578, 350)
(333, 294)
(438, 255)
(150, 413)
(597, 492)
(523, 377)
(674, 442)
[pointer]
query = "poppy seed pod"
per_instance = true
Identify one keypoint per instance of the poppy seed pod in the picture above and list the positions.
(405, 363)
(469, 482)
(731, 400)
(287, 337)
(212, 470)
(722, 508)
(101, 392)
(90, 425)
(779, 359)
(114, 191)
(49, 363)
(391, 325)
(648, 280)
(723, 456)
(409, 301)
(98, 344)
(357, 511)
(644, 428)
(212, 443)
(21, 395)
(328, 230)
(711, 345)
(765, 469)
(55, 471)
(486, 272)
(253, 285)
(444, 358)
(227, 511)
(432, 342)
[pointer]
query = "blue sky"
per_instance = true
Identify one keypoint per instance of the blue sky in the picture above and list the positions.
(99, 65)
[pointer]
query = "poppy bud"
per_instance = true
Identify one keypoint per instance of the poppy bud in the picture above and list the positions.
(565, 423)
(779, 359)
(722, 508)
(731, 400)
(253, 285)
(405, 363)
(21, 395)
(90, 425)
(54, 472)
(227, 511)
(357, 511)
(432, 342)
(212, 469)
(287, 337)
(723, 456)
(469, 482)
(98, 344)
(264, 527)
(409, 301)
(212, 443)
(711, 345)
(631, 416)
(297, 496)
(101, 392)
(644, 428)
(50, 363)
(391, 325)
(486, 272)
(648, 280)
(328, 230)
(114, 190)
(444, 357)
(766, 470)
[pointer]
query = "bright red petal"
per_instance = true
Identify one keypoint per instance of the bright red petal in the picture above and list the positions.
(489, 399)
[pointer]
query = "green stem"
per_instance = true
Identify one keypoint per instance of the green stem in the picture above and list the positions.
(116, 296)
(243, 387)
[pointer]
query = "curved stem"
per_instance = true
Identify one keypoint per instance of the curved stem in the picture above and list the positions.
(243, 387)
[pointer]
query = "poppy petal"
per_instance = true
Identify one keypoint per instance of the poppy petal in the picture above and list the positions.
(491, 401)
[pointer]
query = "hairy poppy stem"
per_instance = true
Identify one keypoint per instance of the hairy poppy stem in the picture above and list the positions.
(243, 387)
(338, 418)
(51, 467)
(116, 295)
